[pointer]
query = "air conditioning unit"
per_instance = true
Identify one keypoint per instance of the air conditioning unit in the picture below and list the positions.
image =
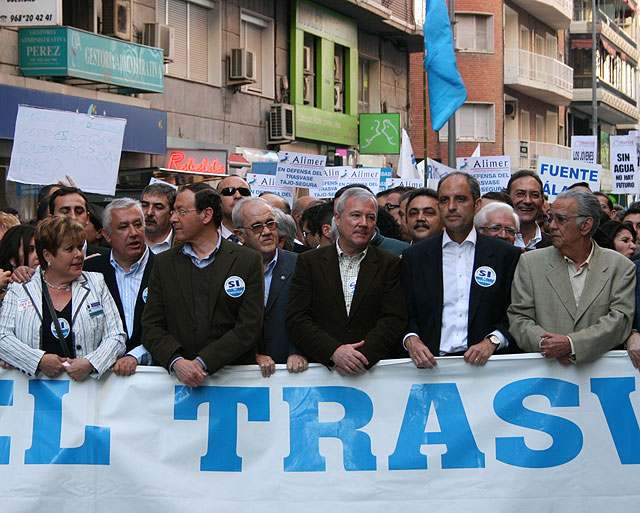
(337, 68)
(116, 18)
(160, 36)
(281, 124)
(337, 98)
(510, 108)
(242, 66)
(307, 62)
(307, 89)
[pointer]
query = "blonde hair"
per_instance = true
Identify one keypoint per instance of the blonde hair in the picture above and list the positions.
(54, 232)
(8, 221)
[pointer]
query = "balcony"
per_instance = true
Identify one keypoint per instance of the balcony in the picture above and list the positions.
(613, 107)
(555, 13)
(622, 37)
(539, 76)
(534, 149)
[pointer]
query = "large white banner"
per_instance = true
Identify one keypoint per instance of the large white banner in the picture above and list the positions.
(520, 434)
(624, 157)
(492, 173)
(558, 174)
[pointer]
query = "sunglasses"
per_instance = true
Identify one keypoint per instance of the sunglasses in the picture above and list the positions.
(230, 191)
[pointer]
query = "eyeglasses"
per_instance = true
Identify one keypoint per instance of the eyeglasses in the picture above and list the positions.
(183, 211)
(258, 227)
(390, 206)
(497, 228)
(559, 218)
(230, 191)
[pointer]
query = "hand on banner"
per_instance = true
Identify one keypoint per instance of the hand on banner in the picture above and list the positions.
(68, 183)
(479, 353)
(22, 274)
(190, 372)
(267, 365)
(5, 365)
(51, 365)
(125, 366)
(348, 360)
(79, 368)
(633, 348)
(297, 363)
(420, 353)
(554, 346)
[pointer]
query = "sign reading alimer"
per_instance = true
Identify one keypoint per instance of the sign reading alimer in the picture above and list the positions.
(69, 52)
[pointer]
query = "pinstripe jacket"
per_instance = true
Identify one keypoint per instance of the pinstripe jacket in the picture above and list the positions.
(99, 338)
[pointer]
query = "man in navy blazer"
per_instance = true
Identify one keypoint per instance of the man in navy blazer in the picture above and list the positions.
(257, 228)
(458, 284)
(126, 272)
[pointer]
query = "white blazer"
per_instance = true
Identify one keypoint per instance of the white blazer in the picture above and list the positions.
(97, 329)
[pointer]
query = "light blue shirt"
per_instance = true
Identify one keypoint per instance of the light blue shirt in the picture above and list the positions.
(129, 287)
(268, 276)
(201, 263)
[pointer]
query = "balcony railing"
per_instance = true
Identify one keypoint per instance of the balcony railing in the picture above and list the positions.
(534, 149)
(547, 71)
(626, 32)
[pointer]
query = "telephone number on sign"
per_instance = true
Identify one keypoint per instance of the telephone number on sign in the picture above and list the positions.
(31, 17)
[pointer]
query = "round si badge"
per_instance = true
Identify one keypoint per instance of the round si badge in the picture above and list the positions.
(145, 293)
(234, 286)
(485, 276)
(64, 326)
(352, 285)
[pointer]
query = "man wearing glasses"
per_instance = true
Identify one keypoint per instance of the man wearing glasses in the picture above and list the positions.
(525, 189)
(575, 300)
(205, 302)
(257, 228)
(498, 220)
(232, 189)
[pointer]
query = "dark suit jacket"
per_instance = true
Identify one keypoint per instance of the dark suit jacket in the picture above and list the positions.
(102, 264)
(422, 278)
(317, 316)
(235, 323)
(275, 340)
(545, 242)
(93, 250)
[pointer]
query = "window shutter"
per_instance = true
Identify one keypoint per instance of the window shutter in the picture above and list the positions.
(253, 42)
(198, 43)
(177, 17)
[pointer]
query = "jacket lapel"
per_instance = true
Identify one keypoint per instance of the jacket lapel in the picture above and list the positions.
(224, 259)
(182, 267)
(331, 271)
(33, 288)
(597, 278)
(79, 292)
(368, 271)
(484, 256)
(558, 278)
(281, 273)
(110, 279)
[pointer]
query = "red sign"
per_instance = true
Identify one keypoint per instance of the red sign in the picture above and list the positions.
(197, 162)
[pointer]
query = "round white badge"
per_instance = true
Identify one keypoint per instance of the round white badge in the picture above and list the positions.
(234, 286)
(352, 285)
(485, 276)
(145, 293)
(64, 326)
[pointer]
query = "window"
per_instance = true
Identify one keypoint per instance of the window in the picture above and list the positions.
(197, 38)
(474, 122)
(256, 35)
(368, 85)
(474, 32)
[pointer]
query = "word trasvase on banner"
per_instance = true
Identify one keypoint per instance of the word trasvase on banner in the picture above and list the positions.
(558, 174)
(492, 173)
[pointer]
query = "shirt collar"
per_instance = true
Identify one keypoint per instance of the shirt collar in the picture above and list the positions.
(134, 268)
(342, 254)
(584, 264)
(471, 238)
(187, 249)
(272, 264)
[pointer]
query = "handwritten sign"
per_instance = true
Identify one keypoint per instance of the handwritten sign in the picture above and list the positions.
(558, 174)
(623, 164)
(267, 183)
(492, 173)
(300, 170)
(49, 144)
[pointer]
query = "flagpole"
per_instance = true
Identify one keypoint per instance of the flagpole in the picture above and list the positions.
(451, 140)
(424, 113)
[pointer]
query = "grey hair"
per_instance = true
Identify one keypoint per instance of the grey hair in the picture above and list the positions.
(119, 204)
(480, 220)
(588, 206)
(237, 216)
(286, 227)
(358, 193)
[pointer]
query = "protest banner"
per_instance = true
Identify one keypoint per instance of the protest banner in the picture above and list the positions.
(267, 183)
(300, 170)
(558, 174)
(435, 171)
(492, 173)
(157, 180)
(521, 433)
(337, 177)
(624, 156)
(584, 148)
(401, 182)
(49, 144)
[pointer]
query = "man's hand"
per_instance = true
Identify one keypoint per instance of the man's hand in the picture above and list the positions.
(633, 348)
(554, 346)
(79, 368)
(22, 274)
(267, 365)
(125, 366)
(420, 353)
(479, 353)
(68, 183)
(190, 372)
(297, 363)
(349, 360)
(5, 365)
(51, 365)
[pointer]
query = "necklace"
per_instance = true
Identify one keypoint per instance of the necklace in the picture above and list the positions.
(57, 287)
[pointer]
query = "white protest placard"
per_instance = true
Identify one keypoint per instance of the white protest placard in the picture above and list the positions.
(624, 157)
(558, 174)
(338, 176)
(267, 183)
(49, 144)
(435, 171)
(300, 170)
(493, 173)
(157, 180)
(389, 183)
(584, 148)
(636, 135)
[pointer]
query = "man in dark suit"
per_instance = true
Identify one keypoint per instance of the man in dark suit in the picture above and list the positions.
(126, 272)
(458, 284)
(205, 304)
(346, 307)
(525, 190)
(257, 228)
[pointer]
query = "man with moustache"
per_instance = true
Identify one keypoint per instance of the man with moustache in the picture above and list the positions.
(525, 190)
(126, 272)
(232, 189)
(423, 218)
(157, 203)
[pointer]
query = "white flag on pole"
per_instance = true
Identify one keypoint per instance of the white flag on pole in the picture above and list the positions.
(407, 166)
(476, 152)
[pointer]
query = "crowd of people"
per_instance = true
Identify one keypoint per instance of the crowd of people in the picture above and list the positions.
(207, 276)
